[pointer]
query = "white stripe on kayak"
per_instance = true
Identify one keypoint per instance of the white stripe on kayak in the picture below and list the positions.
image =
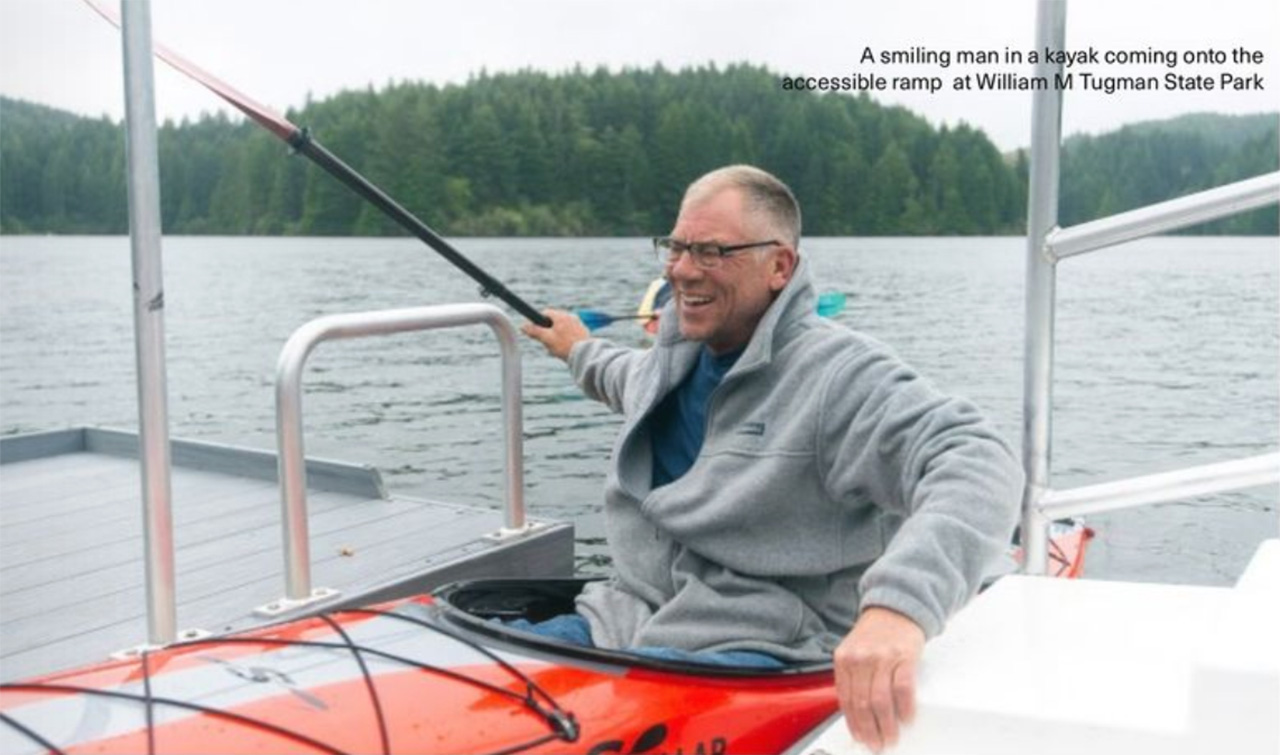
(285, 672)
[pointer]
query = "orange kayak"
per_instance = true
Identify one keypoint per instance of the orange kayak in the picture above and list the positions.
(427, 674)
(405, 678)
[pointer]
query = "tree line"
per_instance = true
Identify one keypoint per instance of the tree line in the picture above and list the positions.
(600, 153)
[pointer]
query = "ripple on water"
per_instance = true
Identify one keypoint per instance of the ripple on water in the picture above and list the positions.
(1166, 356)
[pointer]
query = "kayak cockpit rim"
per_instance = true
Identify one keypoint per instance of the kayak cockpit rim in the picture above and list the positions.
(480, 607)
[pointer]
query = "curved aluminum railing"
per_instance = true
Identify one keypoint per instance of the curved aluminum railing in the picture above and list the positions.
(293, 473)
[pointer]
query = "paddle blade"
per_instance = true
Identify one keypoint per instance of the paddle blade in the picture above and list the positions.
(593, 319)
(265, 116)
(830, 304)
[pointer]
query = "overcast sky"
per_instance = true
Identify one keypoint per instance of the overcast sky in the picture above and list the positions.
(60, 53)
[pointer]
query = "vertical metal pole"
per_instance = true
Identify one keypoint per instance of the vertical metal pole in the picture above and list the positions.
(512, 421)
(148, 320)
(292, 459)
(1042, 217)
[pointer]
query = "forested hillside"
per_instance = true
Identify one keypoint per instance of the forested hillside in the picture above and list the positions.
(599, 153)
(1150, 162)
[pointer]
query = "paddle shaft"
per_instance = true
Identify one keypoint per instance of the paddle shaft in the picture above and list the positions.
(306, 145)
(594, 319)
(615, 318)
(300, 139)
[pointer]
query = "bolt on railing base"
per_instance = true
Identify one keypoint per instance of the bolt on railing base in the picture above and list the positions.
(282, 606)
(135, 652)
(511, 533)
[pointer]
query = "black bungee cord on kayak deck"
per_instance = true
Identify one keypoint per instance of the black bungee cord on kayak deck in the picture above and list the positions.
(32, 735)
(151, 708)
(561, 721)
(142, 698)
(368, 680)
(562, 724)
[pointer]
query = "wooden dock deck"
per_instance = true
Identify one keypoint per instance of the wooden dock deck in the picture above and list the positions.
(72, 585)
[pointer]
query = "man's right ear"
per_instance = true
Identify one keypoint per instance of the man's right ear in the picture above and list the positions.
(784, 267)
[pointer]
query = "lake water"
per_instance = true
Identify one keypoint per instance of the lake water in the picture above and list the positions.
(1167, 356)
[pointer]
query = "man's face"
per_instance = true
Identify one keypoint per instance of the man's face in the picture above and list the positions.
(721, 306)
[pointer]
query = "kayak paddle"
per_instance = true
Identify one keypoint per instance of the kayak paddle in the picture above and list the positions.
(830, 304)
(302, 141)
(594, 319)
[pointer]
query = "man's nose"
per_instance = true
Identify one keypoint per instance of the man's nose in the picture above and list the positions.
(684, 267)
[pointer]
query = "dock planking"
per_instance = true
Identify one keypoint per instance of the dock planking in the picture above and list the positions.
(72, 585)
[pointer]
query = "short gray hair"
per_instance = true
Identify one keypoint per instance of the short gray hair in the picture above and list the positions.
(764, 194)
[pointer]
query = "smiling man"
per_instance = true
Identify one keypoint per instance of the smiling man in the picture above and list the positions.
(783, 490)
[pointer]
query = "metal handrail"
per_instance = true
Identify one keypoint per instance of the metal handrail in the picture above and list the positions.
(1046, 245)
(1201, 207)
(293, 357)
(1158, 488)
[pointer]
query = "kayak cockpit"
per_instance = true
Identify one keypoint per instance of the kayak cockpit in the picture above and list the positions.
(483, 609)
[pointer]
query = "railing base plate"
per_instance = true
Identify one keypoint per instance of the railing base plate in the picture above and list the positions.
(511, 533)
(283, 606)
(135, 652)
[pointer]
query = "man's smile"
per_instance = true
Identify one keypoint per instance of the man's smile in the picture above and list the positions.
(691, 301)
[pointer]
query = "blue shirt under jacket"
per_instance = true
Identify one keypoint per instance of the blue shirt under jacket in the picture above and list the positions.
(680, 421)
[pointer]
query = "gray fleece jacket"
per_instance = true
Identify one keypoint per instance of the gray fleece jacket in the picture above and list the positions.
(832, 478)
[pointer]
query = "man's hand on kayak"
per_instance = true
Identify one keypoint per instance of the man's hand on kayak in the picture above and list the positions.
(566, 330)
(875, 667)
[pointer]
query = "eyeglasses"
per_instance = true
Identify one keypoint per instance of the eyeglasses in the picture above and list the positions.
(704, 255)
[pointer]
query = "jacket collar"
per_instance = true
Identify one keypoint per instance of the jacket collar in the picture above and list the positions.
(795, 302)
